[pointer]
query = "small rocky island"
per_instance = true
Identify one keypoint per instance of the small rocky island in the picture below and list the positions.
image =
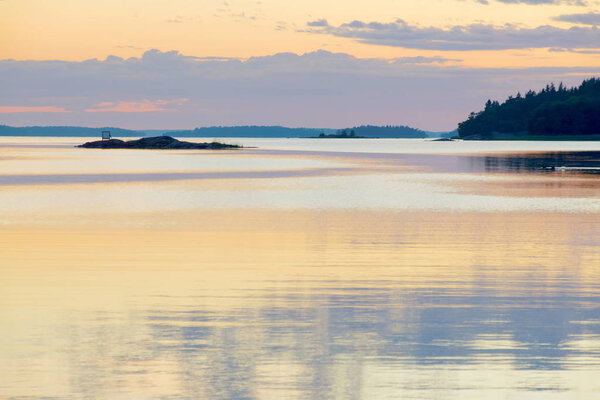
(156, 142)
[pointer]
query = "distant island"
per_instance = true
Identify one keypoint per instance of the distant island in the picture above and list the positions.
(341, 135)
(370, 131)
(154, 143)
(387, 131)
(550, 114)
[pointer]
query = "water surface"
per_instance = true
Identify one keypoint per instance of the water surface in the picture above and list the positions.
(303, 269)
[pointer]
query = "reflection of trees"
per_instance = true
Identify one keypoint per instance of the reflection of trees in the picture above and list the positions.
(533, 162)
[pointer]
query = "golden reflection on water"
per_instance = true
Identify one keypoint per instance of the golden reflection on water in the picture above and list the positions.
(294, 304)
(172, 289)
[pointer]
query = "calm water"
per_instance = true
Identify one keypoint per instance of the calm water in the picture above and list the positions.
(301, 269)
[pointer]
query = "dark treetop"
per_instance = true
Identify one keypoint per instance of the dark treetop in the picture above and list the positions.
(551, 112)
(157, 142)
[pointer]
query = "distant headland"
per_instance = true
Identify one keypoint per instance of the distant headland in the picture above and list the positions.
(155, 143)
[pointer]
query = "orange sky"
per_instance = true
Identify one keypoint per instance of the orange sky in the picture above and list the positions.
(77, 30)
(426, 63)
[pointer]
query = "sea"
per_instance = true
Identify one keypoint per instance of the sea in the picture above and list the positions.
(300, 269)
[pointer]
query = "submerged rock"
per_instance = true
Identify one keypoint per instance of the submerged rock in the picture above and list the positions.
(156, 142)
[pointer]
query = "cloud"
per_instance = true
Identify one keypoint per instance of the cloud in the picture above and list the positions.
(318, 89)
(579, 51)
(134, 106)
(461, 38)
(425, 60)
(590, 18)
(319, 22)
(542, 2)
(178, 19)
(33, 109)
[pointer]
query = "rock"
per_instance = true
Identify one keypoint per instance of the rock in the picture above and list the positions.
(156, 142)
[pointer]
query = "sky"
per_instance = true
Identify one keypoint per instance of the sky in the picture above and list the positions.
(185, 63)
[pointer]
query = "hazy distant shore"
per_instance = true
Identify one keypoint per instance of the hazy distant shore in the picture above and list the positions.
(368, 131)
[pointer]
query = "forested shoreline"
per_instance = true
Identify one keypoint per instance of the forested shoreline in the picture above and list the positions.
(553, 111)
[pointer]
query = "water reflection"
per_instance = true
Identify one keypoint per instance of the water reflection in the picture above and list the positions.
(396, 276)
(313, 304)
(577, 161)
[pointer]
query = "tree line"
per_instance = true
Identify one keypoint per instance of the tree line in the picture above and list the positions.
(389, 131)
(551, 111)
